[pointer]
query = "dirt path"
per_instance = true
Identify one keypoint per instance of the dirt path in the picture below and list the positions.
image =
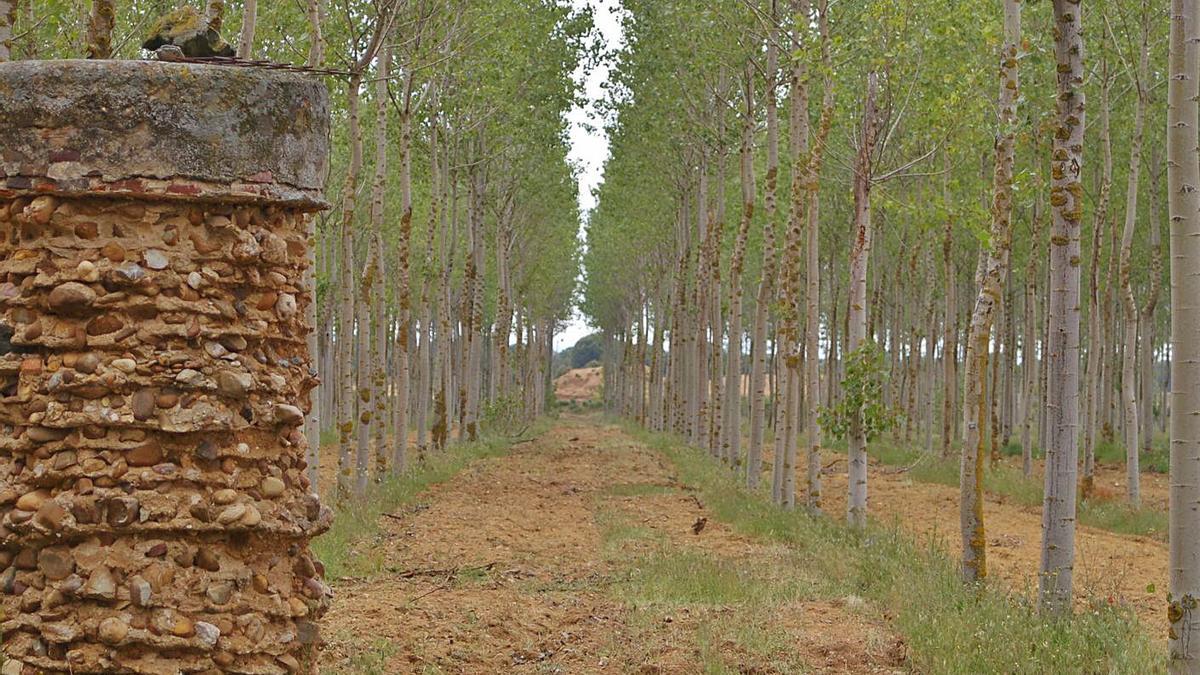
(575, 553)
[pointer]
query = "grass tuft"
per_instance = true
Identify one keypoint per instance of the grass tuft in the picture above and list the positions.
(948, 628)
(1121, 518)
(686, 577)
(373, 660)
(1158, 460)
(1010, 482)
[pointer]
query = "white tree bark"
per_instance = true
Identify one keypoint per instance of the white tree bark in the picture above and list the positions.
(949, 321)
(1029, 352)
(992, 281)
(373, 395)
(1062, 400)
(1093, 406)
(812, 271)
(930, 372)
(345, 325)
(1129, 379)
(788, 339)
(473, 305)
(312, 422)
(1148, 340)
(399, 454)
(1183, 197)
(758, 346)
(732, 426)
(316, 39)
(245, 48)
(860, 253)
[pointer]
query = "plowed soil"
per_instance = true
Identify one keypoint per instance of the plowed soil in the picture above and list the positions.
(531, 562)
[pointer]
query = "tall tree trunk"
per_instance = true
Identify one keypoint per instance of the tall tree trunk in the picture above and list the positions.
(991, 289)
(99, 30)
(996, 391)
(1091, 404)
(758, 346)
(1062, 400)
(695, 370)
(1129, 387)
(949, 322)
(812, 299)
(497, 382)
(1148, 369)
(1095, 405)
(372, 395)
(429, 288)
(832, 358)
(860, 252)
(1044, 365)
(316, 38)
(733, 367)
(789, 333)
(345, 327)
(1183, 199)
(1108, 346)
(656, 415)
(399, 458)
(447, 328)
(929, 371)
(312, 422)
(1008, 367)
(473, 303)
(640, 391)
(716, 325)
(1029, 351)
(245, 48)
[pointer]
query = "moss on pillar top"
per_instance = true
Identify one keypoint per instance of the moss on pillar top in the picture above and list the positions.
(163, 129)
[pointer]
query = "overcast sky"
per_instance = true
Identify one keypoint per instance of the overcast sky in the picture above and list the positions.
(589, 146)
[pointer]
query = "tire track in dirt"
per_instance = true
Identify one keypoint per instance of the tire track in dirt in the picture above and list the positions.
(519, 564)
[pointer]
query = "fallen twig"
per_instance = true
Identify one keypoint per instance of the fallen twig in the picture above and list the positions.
(450, 573)
(431, 591)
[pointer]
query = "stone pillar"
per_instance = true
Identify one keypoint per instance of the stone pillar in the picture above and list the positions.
(154, 509)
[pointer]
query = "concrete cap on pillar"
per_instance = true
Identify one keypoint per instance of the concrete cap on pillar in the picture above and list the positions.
(77, 127)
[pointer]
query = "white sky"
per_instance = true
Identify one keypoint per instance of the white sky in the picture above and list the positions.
(589, 143)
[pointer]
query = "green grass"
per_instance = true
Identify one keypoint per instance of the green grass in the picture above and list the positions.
(1158, 460)
(1010, 482)
(752, 634)
(729, 604)
(616, 531)
(369, 656)
(373, 660)
(1123, 519)
(949, 628)
(1004, 480)
(1015, 449)
(346, 549)
(684, 577)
